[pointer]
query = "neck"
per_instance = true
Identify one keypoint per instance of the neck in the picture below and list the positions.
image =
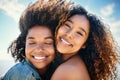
(67, 56)
(42, 71)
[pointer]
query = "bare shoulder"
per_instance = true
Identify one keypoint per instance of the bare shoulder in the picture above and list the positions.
(73, 69)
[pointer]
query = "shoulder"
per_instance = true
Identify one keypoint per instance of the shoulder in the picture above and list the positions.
(18, 72)
(15, 68)
(12, 72)
(74, 69)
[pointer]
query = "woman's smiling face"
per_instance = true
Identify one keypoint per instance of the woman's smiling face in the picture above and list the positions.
(72, 35)
(40, 46)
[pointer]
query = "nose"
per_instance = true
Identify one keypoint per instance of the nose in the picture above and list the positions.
(69, 34)
(39, 47)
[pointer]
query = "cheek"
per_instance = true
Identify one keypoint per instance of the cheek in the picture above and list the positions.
(80, 44)
(51, 54)
(61, 30)
(50, 50)
(28, 50)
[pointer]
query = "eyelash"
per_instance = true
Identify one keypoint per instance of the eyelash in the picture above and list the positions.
(80, 33)
(66, 25)
(31, 43)
(49, 43)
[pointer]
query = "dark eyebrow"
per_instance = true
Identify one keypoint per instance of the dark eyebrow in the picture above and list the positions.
(50, 37)
(30, 37)
(69, 21)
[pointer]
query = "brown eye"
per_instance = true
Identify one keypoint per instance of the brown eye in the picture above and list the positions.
(31, 43)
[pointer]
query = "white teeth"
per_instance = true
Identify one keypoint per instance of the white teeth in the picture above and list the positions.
(39, 58)
(65, 41)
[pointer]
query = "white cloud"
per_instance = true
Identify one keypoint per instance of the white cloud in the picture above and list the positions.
(107, 10)
(115, 29)
(12, 8)
(114, 25)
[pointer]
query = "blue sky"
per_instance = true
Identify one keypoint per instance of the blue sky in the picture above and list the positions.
(10, 11)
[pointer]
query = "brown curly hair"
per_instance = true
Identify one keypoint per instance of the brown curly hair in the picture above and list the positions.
(101, 52)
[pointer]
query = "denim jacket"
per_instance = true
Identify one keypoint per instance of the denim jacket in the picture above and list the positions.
(22, 71)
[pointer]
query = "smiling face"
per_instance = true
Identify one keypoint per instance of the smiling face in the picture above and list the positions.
(72, 35)
(39, 46)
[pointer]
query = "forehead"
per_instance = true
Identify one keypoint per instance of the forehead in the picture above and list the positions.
(79, 19)
(79, 22)
(39, 31)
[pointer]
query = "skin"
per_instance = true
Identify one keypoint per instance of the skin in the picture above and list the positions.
(40, 47)
(71, 37)
(73, 69)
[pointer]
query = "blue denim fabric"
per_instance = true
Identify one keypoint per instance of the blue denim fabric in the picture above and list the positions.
(22, 71)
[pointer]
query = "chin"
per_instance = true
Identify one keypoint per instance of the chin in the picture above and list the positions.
(62, 51)
(40, 65)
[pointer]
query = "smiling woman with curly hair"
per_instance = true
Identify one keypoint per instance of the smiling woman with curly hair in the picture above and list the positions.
(87, 48)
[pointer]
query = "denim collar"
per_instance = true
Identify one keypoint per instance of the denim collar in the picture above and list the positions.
(33, 69)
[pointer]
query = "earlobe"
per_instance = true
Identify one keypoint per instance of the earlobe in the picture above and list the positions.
(84, 46)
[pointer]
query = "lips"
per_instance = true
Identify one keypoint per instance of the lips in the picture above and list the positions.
(39, 58)
(64, 41)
